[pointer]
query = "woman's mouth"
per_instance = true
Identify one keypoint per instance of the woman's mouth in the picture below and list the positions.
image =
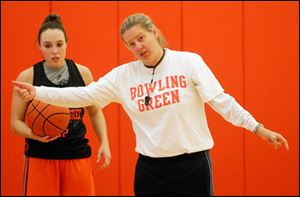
(55, 59)
(143, 54)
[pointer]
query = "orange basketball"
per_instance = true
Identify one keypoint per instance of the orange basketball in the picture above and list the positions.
(47, 120)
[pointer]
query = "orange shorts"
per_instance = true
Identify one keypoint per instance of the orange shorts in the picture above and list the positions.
(51, 177)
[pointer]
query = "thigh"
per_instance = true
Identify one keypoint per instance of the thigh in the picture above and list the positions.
(147, 181)
(77, 177)
(41, 177)
(187, 177)
(194, 178)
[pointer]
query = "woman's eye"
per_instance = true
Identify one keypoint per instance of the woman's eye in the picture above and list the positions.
(132, 45)
(141, 38)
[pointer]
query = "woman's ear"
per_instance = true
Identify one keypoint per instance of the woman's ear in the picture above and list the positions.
(155, 33)
(40, 51)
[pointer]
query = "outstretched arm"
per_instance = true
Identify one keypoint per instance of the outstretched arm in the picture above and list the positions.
(234, 113)
(63, 97)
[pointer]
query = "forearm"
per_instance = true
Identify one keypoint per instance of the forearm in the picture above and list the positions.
(99, 126)
(20, 128)
(65, 97)
(233, 112)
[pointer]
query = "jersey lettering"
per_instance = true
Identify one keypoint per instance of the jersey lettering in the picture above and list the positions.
(75, 114)
(166, 92)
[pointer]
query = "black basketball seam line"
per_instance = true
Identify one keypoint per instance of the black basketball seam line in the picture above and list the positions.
(46, 119)
(39, 114)
(34, 107)
(28, 113)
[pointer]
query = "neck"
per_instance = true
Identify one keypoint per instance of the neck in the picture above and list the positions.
(64, 64)
(161, 56)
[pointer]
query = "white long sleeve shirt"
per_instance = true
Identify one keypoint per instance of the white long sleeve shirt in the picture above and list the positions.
(174, 122)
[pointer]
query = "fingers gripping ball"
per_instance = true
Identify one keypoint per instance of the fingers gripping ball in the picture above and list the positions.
(47, 120)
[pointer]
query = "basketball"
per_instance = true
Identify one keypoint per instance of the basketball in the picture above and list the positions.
(47, 120)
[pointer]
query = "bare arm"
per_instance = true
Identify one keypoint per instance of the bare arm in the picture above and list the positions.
(18, 111)
(98, 122)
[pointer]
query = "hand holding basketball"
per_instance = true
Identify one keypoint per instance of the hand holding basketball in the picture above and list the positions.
(25, 90)
(44, 139)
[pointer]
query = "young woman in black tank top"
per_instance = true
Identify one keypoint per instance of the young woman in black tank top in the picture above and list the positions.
(58, 161)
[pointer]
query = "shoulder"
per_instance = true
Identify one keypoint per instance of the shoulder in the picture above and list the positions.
(26, 75)
(121, 73)
(184, 54)
(126, 68)
(83, 69)
(185, 57)
(85, 73)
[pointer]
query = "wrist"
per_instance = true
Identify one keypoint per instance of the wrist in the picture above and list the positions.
(104, 141)
(259, 125)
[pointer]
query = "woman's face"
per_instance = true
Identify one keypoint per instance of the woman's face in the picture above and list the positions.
(143, 44)
(53, 47)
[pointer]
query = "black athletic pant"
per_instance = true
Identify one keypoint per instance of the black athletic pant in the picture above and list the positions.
(182, 175)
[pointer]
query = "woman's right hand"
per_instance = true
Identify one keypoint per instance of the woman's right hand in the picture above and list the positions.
(25, 91)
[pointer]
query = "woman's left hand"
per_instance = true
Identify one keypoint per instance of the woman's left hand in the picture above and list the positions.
(104, 151)
(273, 138)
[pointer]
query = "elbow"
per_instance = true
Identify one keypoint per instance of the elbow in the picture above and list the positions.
(12, 126)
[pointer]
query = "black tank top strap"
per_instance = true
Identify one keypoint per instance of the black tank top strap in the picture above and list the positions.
(74, 72)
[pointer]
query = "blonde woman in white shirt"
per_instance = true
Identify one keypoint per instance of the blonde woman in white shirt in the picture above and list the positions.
(163, 93)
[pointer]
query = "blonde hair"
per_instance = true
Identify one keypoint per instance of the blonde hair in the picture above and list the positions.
(144, 22)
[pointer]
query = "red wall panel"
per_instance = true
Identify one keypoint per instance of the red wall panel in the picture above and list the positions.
(213, 30)
(272, 94)
(18, 40)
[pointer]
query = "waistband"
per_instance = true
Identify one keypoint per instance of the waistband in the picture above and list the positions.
(177, 158)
